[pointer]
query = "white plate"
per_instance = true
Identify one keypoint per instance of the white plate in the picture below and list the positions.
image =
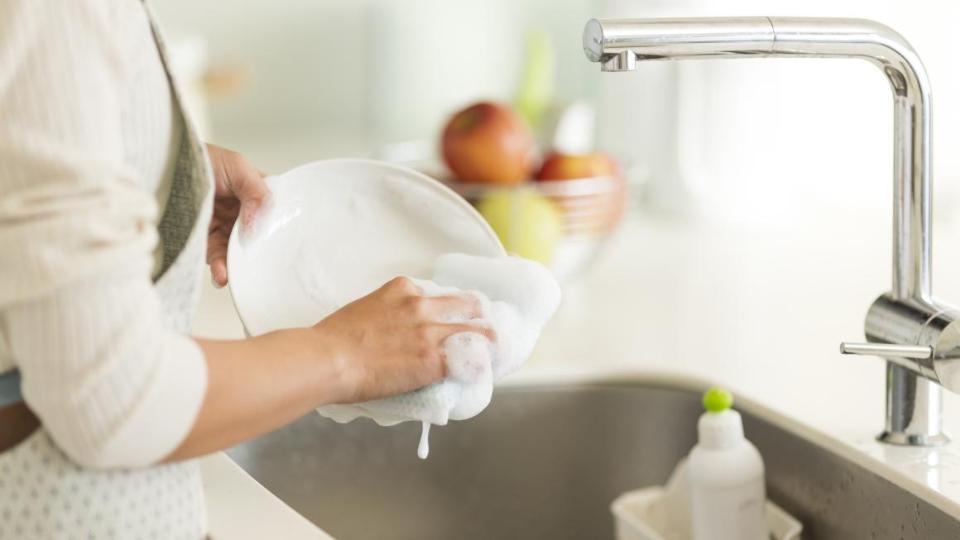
(336, 230)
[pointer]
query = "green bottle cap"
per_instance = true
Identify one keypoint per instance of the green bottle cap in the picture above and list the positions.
(717, 400)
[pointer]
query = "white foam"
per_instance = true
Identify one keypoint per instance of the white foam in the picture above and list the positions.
(423, 449)
(517, 297)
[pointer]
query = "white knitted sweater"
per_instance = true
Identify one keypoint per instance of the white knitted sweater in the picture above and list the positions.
(89, 131)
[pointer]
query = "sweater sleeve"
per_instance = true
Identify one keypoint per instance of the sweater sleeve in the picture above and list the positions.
(78, 311)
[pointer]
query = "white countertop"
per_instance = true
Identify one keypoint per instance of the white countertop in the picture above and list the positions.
(760, 308)
(240, 508)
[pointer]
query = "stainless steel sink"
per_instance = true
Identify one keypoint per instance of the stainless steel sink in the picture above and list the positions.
(544, 462)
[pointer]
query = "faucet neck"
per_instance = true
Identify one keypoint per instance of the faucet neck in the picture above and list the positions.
(618, 45)
(910, 87)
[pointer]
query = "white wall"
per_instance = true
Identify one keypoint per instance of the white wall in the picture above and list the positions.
(306, 58)
(758, 139)
(386, 70)
(773, 140)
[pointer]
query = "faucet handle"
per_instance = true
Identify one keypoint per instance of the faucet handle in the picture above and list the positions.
(887, 350)
(919, 359)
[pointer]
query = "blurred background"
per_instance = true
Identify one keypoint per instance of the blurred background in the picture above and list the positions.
(291, 81)
(760, 190)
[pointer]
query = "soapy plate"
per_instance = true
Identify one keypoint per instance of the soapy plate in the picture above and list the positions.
(336, 230)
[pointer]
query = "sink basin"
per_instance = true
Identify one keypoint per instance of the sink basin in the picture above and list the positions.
(545, 462)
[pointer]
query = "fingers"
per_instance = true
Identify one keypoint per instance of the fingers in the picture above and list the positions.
(251, 190)
(402, 285)
(237, 177)
(443, 316)
(450, 308)
(218, 272)
(244, 180)
(217, 257)
(446, 308)
(444, 330)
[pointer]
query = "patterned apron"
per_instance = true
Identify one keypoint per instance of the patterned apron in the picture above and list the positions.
(45, 495)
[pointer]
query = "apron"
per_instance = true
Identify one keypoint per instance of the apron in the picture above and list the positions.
(43, 494)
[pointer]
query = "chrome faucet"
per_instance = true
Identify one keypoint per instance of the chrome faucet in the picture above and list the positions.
(918, 336)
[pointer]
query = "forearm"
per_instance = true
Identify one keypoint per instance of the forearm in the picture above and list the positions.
(259, 384)
(386, 343)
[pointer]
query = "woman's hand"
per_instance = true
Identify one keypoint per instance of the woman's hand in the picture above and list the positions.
(239, 191)
(391, 341)
(386, 343)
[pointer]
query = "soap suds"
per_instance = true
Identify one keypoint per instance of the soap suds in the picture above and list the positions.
(423, 449)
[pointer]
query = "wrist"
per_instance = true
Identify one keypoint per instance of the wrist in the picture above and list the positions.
(339, 381)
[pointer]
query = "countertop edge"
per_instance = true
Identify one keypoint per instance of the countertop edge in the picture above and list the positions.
(239, 508)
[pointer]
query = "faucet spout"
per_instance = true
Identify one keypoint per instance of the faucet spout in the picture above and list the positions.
(907, 316)
(618, 45)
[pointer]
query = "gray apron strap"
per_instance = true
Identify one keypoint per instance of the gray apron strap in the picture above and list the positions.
(189, 184)
(10, 388)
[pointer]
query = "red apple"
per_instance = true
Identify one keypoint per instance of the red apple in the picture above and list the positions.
(606, 207)
(489, 143)
(559, 166)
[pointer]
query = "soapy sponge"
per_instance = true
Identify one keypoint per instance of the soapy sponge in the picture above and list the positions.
(517, 298)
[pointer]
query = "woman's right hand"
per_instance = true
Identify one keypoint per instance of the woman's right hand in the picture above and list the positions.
(391, 341)
(386, 343)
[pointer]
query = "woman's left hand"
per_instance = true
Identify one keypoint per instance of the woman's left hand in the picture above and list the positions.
(239, 193)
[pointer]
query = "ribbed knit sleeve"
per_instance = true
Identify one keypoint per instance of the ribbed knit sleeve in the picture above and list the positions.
(78, 311)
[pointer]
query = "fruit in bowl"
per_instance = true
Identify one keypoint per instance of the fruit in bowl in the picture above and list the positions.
(560, 166)
(529, 224)
(488, 143)
(594, 210)
(559, 214)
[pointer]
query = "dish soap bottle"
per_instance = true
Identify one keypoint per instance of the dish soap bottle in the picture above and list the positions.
(725, 476)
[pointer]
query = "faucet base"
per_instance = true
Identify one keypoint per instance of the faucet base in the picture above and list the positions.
(913, 410)
(902, 439)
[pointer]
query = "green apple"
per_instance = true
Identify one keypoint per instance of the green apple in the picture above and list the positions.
(529, 224)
